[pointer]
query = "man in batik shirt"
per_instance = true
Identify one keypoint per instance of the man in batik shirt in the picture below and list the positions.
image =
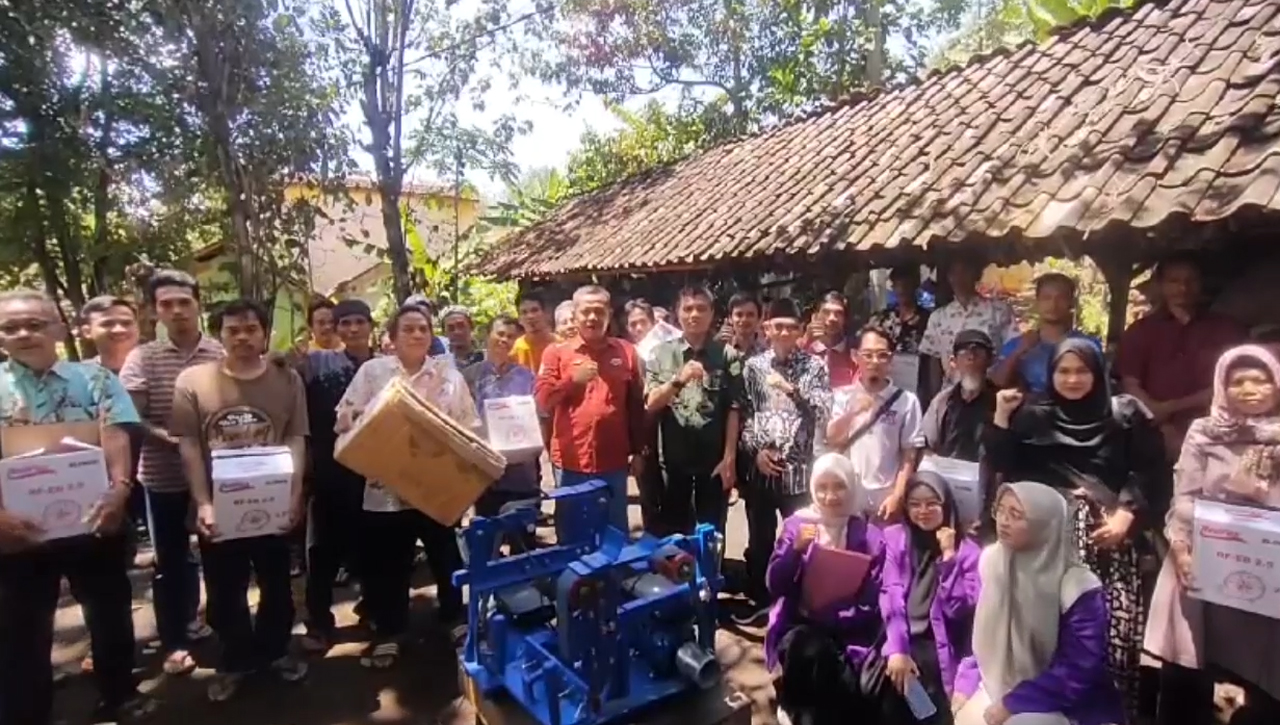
(787, 398)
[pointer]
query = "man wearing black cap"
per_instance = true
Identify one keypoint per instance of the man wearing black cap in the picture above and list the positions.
(956, 416)
(337, 491)
(954, 423)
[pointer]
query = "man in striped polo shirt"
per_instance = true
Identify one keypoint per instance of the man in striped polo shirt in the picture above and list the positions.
(148, 374)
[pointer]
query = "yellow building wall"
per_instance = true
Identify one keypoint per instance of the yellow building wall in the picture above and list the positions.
(336, 267)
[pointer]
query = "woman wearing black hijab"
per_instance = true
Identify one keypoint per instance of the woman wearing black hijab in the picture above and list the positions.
(1105, 455)
(928, 593)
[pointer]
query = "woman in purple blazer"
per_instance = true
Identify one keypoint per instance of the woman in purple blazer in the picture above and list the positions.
(820, 653)
(928, 592)
(1040, 628)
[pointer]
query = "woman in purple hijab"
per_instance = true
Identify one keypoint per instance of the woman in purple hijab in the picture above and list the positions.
(928, 594)
(821, 653)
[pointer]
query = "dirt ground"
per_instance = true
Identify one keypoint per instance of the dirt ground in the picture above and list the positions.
(421, 690)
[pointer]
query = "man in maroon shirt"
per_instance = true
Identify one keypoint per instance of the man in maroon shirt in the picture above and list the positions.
(593, 388)
(1166, 359)
(826, 338)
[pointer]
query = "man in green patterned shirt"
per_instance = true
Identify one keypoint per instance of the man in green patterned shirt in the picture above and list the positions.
(693, 384)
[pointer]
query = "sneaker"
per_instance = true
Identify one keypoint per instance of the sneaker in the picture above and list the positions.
(290, 668)
(757, 615)
(225, 685)
(197, 631)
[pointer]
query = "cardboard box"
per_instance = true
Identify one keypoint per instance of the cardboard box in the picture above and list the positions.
(1236, 557)
(251, 491)
(56, 487)
(514, 428)
(428, 460)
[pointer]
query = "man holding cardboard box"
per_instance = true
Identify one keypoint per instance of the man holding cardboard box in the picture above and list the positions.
(234, 420)
(44, 495)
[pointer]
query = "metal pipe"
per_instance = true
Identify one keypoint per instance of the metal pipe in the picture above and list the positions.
(699, 665)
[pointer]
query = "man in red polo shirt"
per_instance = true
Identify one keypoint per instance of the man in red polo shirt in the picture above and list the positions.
(592, 387)
(827, 339)
(1166, 359)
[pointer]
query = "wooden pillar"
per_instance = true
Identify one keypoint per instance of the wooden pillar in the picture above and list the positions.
(1117, 268)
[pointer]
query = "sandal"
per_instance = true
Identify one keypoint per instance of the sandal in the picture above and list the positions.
(178, 663)
(381, 655)
(316, 642)
(225, 685)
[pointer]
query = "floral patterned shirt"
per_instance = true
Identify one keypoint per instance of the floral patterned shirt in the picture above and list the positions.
(438, 381)
(994, 317)
(788, 423)
(906, 334)
(69, 392)
(693, 426)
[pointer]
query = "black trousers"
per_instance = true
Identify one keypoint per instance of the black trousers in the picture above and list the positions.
(387, 567)
(764, 505)
(651, 485)
(444, 558)
(337, 520)
(818, 682)
(1186, 698)
(691, 497)
(249, 642)
(30, 584)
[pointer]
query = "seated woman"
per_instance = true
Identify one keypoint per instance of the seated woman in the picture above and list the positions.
(1040, 629)
(1231, 456)
(821, 652)
(928, 593)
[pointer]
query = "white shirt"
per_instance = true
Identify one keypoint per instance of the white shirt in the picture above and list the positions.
(438, 381)
(994, 317)
(877, 454)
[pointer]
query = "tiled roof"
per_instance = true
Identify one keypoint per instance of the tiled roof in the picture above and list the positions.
(1133, 118)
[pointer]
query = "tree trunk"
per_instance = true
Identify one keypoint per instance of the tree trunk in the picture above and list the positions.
(389, 180)
(102, 192)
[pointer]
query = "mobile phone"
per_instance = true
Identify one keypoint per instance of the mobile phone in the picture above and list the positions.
(918, 700)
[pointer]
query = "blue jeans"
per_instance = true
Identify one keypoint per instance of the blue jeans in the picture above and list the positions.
(617, 481)
(176, 577)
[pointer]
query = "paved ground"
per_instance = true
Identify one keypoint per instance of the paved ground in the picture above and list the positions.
(422, 690)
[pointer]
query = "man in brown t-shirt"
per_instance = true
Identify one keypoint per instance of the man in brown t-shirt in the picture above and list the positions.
(243, 401)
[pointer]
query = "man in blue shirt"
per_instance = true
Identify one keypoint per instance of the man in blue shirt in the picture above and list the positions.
(1024, 360)
(37, 388)
(497, 377)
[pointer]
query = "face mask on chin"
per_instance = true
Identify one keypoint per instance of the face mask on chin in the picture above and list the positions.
(970, 383)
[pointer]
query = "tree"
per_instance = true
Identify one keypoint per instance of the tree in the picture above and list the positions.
(266, 100)
(412, 62)
(762, 58)
(651, 136)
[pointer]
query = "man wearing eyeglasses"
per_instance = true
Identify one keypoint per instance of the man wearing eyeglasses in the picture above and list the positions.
(877, 425)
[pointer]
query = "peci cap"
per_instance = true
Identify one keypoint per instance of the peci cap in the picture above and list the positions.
(966, 339)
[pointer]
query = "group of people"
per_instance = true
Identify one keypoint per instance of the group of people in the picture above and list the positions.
(808, 424)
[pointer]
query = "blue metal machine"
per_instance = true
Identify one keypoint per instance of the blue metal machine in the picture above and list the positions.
(596, 627)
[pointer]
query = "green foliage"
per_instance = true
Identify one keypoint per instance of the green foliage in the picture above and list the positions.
(135, 131)
(410, 64)
(650, 137)
(1045, 15)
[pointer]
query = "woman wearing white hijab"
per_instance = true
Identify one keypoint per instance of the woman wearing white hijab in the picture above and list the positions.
(1040, 630)
(821, 652)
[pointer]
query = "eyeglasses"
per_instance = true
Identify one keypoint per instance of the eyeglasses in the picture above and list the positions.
(32, 326)
(1010, 515)
(876, 355)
